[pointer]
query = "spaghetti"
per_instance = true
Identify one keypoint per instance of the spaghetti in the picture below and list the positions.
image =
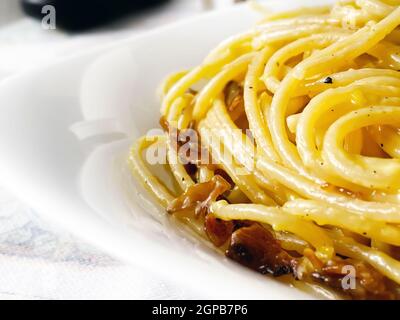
(285, 145)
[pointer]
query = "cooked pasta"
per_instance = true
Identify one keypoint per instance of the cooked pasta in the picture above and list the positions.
(284, 143)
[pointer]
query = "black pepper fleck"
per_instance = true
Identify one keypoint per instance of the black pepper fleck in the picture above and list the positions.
(328, 80)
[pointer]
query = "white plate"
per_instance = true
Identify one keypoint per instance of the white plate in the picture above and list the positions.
(65, 132)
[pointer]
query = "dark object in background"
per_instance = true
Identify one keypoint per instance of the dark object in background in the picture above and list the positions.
(81, 15)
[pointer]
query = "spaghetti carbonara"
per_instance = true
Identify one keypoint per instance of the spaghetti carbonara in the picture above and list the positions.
(284, 147)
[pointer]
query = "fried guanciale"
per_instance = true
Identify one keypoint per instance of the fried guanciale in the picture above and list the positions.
(200, 196)
(256, 247)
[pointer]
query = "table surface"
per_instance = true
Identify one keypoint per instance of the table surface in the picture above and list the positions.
(38, 260)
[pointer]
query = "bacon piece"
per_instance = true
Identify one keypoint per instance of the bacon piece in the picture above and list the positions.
(217, 230)
(225, 175)
(255, 247)
(200, 196)
(369, 283)
(234, 99)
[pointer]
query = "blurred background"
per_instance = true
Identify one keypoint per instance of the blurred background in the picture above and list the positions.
(38, 260)
(31, 33)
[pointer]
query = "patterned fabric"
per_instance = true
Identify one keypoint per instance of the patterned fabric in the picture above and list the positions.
(40, 261)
